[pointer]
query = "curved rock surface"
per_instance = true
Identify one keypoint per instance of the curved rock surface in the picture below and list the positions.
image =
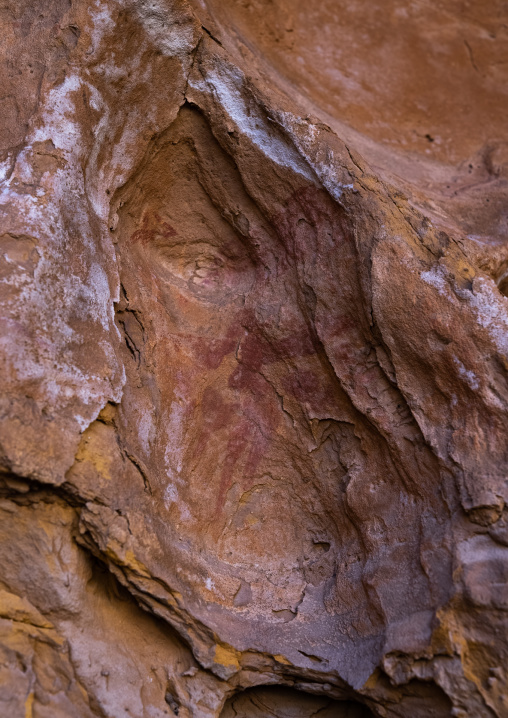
(254, 278)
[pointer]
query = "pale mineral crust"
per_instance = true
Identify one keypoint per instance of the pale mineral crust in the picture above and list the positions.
(254, 334)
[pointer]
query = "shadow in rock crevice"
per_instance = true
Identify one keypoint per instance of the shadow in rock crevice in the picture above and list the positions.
(282, 702)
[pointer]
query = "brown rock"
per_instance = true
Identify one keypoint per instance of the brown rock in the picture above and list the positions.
(254, 360)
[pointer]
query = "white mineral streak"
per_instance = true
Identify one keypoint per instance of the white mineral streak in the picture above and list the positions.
(328, 168)
(58, 122)
(164, 28)
(481, 550)
(467, 374)
(436, 277)
(53, 307)
(107, 176)
(101, 22)
(174, 431)
(5, 166)
(174, 454)
(491, 308)
(56, 308)
(226, 87)
(146, 429)
(95, 174)
(489, 305)
(121, 131)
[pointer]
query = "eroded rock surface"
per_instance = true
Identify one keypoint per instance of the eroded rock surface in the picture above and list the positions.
(254, 360)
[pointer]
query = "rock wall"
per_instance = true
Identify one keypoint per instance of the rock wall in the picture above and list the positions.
(254, 359)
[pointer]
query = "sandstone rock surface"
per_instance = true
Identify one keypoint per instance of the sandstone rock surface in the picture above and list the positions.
(253, 421)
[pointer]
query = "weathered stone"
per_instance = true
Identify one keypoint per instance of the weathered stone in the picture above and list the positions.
(254, 409)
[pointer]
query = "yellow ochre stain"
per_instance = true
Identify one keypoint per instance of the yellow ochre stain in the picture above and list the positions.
(226, 656)
(282, 659)
(28, 706)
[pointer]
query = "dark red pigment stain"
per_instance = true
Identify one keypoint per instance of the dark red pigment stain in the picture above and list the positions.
(252, 420)
(257, 351)
(248, 443)
(211, 352)
(152, 226)
(249, 422)
(247, 413)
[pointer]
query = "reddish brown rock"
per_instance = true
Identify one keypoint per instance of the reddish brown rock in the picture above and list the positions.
(254, 334)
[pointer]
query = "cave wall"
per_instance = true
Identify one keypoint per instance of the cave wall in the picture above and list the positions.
(254, 361)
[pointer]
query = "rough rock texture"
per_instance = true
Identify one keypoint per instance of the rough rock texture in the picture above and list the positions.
(254, 322)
